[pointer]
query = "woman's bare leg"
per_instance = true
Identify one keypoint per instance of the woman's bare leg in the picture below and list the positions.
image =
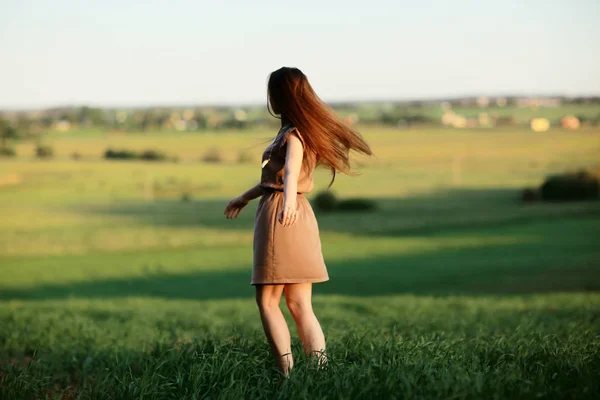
(298, 297)
(276, 329)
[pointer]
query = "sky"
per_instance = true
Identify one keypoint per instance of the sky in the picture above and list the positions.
(185, 52)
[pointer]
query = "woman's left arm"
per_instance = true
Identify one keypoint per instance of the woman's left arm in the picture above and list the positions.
(293, 165)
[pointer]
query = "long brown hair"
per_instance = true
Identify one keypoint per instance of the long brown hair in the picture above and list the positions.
(292, 98)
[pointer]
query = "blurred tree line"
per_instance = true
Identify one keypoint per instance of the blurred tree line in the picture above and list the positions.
(32, 124)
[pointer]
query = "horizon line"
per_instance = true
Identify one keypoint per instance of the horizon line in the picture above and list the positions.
(255, 103)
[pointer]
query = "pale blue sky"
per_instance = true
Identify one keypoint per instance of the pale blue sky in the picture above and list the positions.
(120, 52)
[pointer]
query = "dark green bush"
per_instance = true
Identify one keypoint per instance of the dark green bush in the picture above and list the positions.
(233, 123)
(146, 155)
(400, 118)
(44, 151)
(505, 120)
(325, 201)
(356, 205)
(153, 155)
(213, 156)
(186, 197)
(570, 187)
(7, 151)
(120, 154)
(530, 195)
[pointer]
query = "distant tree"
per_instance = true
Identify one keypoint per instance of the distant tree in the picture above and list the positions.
(388, 119)
(201, 121)
(24, 126)
(403, 117)
(46, 121)
(93, 116)
(160, 119)
(232, 123)
(7, 131)
(72, 115)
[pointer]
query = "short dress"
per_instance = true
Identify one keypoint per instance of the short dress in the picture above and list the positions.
(286, 254)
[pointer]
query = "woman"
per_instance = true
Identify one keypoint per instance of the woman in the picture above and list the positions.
(287, 248)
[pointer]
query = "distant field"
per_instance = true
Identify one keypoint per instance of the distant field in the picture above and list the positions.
(124, 280)
(520, 115)
(525, 114)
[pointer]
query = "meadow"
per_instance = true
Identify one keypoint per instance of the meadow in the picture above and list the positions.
(123, 279)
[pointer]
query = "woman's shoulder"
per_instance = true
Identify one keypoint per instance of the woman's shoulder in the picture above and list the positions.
(289, 131)
(293, 130)
(286, 129)
(283, 134)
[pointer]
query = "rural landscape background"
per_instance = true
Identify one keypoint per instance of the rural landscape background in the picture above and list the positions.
(464, 258)
(122, 278)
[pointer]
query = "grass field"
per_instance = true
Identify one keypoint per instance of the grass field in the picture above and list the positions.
(124, 280)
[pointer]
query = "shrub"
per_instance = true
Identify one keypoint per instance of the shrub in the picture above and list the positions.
(44, 151)
(325, 201)
(530, 195)
(233, 123)
(7, 151)
(152, 155)
(356, 205)
(505, 120)
(404, 119)
(120, 154)
(146, 155)
(186, 197)
(7, 131)
(213, 156)
(75, 156)
(572, 186)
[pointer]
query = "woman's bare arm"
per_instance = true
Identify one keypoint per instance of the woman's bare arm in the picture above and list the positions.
(235, 206)
(293, 165)
(252, 193)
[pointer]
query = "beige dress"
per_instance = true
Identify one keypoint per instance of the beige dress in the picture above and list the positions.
(286, 254)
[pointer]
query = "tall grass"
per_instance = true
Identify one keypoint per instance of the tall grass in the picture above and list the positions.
(112, 287)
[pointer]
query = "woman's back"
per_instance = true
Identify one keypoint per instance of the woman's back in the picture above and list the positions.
(273, 158)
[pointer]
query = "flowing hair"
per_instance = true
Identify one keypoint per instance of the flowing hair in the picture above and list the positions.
(291, 97)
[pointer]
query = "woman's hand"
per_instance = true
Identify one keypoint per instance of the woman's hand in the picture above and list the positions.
(288, 215)
(235, 206)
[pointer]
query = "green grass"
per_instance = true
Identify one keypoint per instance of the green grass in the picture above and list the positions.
(114, 287)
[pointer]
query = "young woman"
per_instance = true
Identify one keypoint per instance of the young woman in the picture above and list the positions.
(287, 248)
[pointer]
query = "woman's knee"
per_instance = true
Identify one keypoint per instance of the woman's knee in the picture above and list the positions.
(298, 307)
(267, 299)
(266, 304)
(298, 299)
